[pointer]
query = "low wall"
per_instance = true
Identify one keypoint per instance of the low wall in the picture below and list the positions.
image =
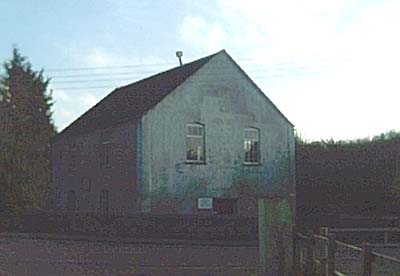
(135, 226)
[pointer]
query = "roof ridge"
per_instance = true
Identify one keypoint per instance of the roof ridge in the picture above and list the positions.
(170, 70)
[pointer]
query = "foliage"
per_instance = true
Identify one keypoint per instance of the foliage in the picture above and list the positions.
(352, 177)
(360, 142)
(26, 129)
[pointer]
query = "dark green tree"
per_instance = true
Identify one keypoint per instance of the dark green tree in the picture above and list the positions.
(4, 146)
(27, 132)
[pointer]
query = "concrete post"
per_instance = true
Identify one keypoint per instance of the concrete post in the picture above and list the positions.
(263, 235)
(275, 230)
(366, 259)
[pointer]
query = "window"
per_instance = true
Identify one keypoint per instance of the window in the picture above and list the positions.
(251, 146)
(195, 143)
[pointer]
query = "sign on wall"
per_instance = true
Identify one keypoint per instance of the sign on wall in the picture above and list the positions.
(205, 203)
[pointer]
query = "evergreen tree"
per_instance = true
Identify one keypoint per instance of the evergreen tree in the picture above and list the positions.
(4, 146)
(27, 130)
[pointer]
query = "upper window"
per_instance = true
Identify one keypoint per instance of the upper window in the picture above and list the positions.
(251, 146)
(195, 143)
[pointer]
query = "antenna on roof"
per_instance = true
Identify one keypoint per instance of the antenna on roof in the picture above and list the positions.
(179, 55)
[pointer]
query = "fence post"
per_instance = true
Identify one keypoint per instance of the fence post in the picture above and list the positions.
(366, 260)
(309, 267)
(330, 262)
(301, 244)
(324, 231)
(281, 253)
(386, 237)
(264, 232)
(323, 249)
(296, 252)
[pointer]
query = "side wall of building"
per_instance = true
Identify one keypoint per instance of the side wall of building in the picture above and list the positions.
(99, 168)
(221, 97)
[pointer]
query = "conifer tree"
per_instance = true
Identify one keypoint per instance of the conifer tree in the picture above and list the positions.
(28, 130)
(4, 146)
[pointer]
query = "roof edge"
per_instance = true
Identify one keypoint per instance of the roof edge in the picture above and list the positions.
(62, 133)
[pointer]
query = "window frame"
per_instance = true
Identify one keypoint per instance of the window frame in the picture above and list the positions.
(203, 139)
(245, 139)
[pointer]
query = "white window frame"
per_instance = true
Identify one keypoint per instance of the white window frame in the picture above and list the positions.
(245, 139)
(202, 137)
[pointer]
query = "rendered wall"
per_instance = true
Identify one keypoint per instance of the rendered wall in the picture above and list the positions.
(225, 101)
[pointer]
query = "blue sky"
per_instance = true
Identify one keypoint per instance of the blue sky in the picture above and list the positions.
(330, 66)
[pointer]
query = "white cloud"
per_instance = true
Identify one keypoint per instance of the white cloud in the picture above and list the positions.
(71, 103)
(63, 116)
(100, 57)
(71, 107)
(331, 66)
(356, 42)
(196, 30)
(87, 100)
(60, 95)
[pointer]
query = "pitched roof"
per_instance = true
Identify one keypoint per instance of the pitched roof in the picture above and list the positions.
(130, 102)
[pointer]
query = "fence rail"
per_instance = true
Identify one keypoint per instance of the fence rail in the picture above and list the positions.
(319, 254)
(386, 231)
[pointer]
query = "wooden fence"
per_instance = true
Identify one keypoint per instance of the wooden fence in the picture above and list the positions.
(323, 255)
(377, 235)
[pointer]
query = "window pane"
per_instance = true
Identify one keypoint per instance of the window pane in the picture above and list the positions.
(200, 131)
(251, 148)
(194, 149)
(251, 134)
(195, 130)
(254, 152)
(194, 142)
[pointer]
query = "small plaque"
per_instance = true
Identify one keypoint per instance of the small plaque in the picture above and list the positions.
(205, 203)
